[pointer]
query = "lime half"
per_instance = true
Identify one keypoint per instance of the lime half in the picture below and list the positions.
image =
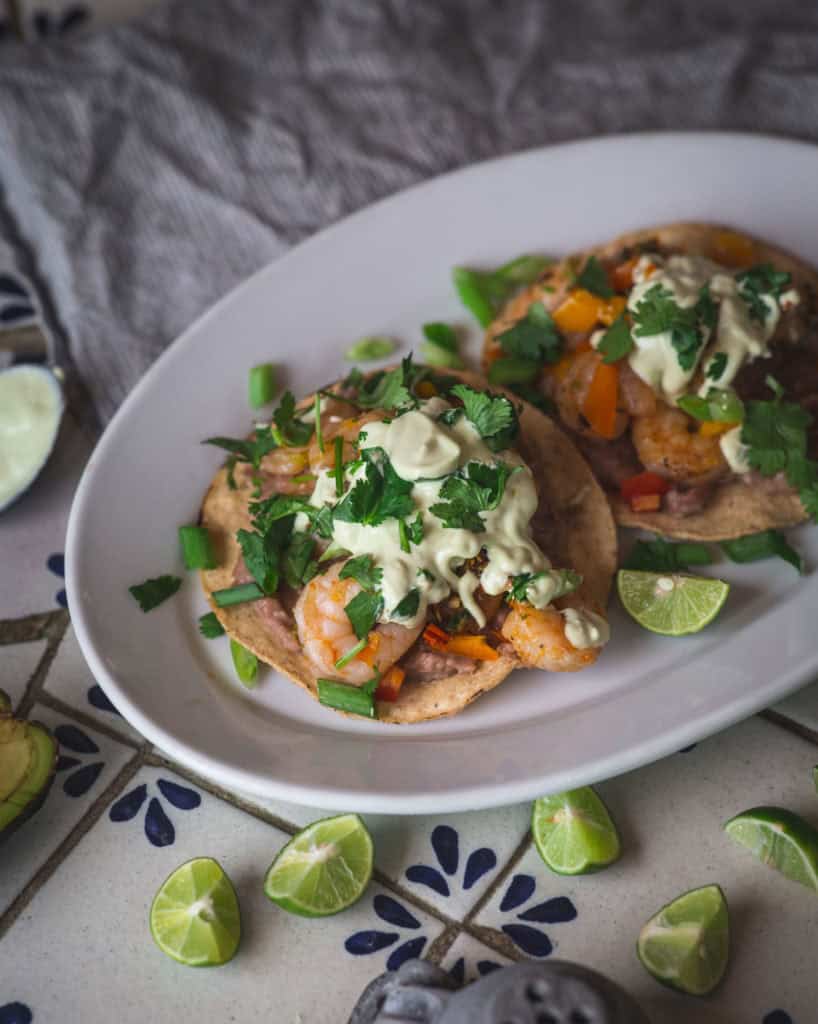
(573, 832)
(686, 944)
(670, 603)
(781, 840)
(195, 915)
(322, 870)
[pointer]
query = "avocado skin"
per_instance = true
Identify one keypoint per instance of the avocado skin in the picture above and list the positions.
(44, 765)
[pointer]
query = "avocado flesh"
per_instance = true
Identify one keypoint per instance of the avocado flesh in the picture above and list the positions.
(28, 755)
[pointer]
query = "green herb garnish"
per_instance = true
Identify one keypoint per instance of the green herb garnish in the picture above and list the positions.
(289, 430)
(363, 611)
(716, 366)
(298, 564)
(240, 594)
(567, 582)
(388, 390)
(245, 451)
(378, 495)
(767, 544)
(478, 488)
(762, 279)
(319, 435)
(245, 663)
(366, 349)
(197, 549)
(663, 556)
(657, 312)
(353, 652)
(616, 342)
(338, 465)
(355, 700)
(152, 593)
(210, 627)
(261, 554)
(363, 570)
(261, 385)
(442, 335)
(511, 372)
(407, 607)
(594, 278)
(484, 292)
(493, 416)
(534, 338)
(720, 406)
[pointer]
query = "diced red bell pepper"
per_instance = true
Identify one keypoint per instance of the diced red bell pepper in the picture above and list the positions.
(643, 485)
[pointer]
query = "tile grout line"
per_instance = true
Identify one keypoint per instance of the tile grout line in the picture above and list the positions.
(789, 725)
(26, 630)
(58, 855)
(499, 879)
(53, 632)
(442, 944)
(57, 704)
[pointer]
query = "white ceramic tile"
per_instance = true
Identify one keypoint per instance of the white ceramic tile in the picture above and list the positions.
(447, 860)
(34, 529)
(70, 679)
(670, 816)
(17, 664)
(801, 707)
(467, 959)
(47, 20)
(88, 762)
(288, 969)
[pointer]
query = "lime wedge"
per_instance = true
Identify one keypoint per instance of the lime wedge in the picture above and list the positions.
(573, 832)
(322, 870)
(781, 840)
(686, 944)
(195, 915)
(671, 603)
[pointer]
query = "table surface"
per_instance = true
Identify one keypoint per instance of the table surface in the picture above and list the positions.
(467, 891)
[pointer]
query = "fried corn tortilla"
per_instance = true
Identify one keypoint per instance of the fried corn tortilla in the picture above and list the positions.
(736, 508)
(581, 535)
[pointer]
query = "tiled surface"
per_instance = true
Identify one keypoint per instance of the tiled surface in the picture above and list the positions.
(801, 707)
(17, 665)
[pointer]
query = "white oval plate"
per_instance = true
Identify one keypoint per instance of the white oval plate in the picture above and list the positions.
(386, 270)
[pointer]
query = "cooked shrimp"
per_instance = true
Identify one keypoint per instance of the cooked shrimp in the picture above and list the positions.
(572, 390)
(635, 396)
(326, 633)
(331, 426)
(280, 466)
(539, 640)
(669, 443)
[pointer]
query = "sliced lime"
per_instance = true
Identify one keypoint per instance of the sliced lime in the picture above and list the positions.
(671, 603)
(322, 870)
(686, 944)
(573, 832)
(195, 915)
(781, 840)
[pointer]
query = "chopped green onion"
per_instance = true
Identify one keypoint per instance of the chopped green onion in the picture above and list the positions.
(523, 269)
(434, 355)
(245, 663)
(334, 551)
(353, 652)
(338, 470)
(357, 700)
(403, 533)
(197, 551)
(261, 384)
(698, 408)
(442, 335)
(304, 478)
(662, 556)
(720, 406)
(210, 627)
(319, 436)
(367, 349)
(237, 595)
(767, 544)
(471, 289)
(513, 371)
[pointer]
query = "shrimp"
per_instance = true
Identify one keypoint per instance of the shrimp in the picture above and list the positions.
(281, 465)
(635, 396)
(668, 443)
(326, 633)
(572, 390)
(332, 425)
(539, 640)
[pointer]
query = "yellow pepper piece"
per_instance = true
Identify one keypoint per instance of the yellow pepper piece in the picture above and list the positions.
(733, 249)
(581, 311)
(712, 428)
(612, 308)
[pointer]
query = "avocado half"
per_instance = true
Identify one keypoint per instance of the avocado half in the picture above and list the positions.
(28, 757)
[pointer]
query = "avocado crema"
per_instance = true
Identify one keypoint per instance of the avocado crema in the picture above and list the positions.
(28, 755)
(468, 501)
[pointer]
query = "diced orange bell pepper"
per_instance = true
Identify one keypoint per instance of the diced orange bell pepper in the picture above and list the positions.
(611, 309)
(712, 428)
(578, 312)
(646, 502)
(599, 407)
(370, 652)
(622, 275)
(642, 484)
(426, 389)
(472, 647)
(388, 688)
(436, 637)
(733, 249)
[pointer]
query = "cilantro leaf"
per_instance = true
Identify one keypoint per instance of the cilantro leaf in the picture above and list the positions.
(616, 342)
(388, 390)
(363, 612)
(152, 593)
(706, 309)
(291, 430)
(762, 279)
(754, 547)
(494, 417)
(378, 495)
(364, 571)
(533, 395)
(657, 312)
(415, 529)
(716, 366)
(534, 338)
(663, 556)
(483, 293)
(479, 488)
(243, 450)
(210, 627)
(441, 334)
(594, 278)
(567, 582)
(298, 565)
(261, 556)
(407, 607)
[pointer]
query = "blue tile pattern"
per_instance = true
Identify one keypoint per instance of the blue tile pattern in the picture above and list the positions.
(555, 910)
(445, 843)
(56, 564)
(15, 1013)
(158, 827)
(77, 783)
(392, 912)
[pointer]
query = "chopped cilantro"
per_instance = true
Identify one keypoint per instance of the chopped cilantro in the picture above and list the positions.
(278, 508)
(363, 612)
(261, 556)
(658, 312)
(567, 582)
(706, 308)
(388, 390)
(442, 335)
(493, 416)
(716, 366)
(662, 556)
(152, 593)
(616, 342)
(415, 529)
(532, 394)
(767, 544)
(363, 570)
(407, 608)
(534, 338)
(290, 430)
(378, 495)
(594, 278)
(511, 371)
(210, 627)
(479, 488)
(762, 279)
(372, 347)
(243, 450)
(298, 565)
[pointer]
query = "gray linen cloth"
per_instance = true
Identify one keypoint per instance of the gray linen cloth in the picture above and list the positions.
(146, 169)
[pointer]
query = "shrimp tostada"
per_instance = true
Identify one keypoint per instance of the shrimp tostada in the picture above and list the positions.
(683, 360)
(399, 542)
